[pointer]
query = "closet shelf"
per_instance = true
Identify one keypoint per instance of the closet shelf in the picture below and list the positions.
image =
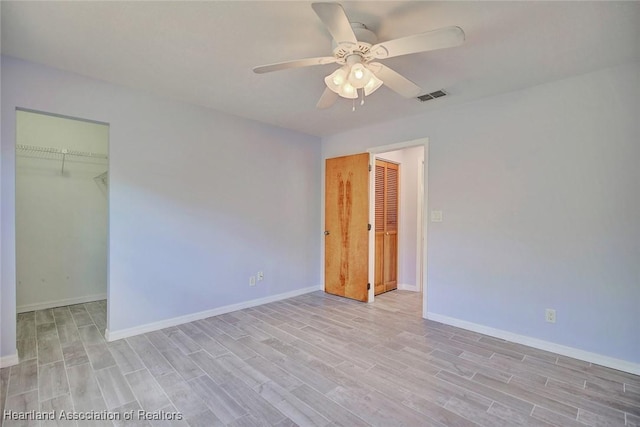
(59, 151)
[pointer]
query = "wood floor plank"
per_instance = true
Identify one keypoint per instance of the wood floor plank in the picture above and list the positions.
(67, 332)
(44, 316)
(185, 344)
(553, 418)
(46, 330)
(207, 343)
(292, 407)
(339, 415)
(609, 401)
(23, 377)
(273, 372)
(255, 404)
(26, 325)
(49, 349)
(240, 369)
(205, 418)
(234, 346)
(114, 386)
(429, 387)
(574, 399)
(182, 364)
(529, 395)
(4, 385)
(177, 419)
(438, 413)
(82, 318)
(90, 335)
(22, 403)
(27, 349)
(85, 392)
(514, 416)
(147, 391)
(149, 355)
(125, 357)
(483, 390)
(128, 408)
(223, 405)
(52, 380)
(183, 397)
(74, 353)
(58, 404)
(377, 409)
(99, 355)
(477, 413)
(293, 367)
(315, 359)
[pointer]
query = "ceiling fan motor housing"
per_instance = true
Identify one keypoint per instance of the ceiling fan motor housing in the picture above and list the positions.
(366, 38)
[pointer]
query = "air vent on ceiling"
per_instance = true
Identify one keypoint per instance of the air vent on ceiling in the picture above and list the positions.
(432, 95)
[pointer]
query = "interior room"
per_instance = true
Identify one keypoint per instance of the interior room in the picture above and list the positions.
(217, 261)
(61, 211)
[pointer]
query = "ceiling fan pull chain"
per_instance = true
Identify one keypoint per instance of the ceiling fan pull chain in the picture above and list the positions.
(353, 108)
(362, 96)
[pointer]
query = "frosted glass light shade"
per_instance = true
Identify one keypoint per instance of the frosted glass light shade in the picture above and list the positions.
(359, 76)
(346, 80)
(337, 79)
(348, 91)
(372, 85)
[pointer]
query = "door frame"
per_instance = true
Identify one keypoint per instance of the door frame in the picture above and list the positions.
(374, 151)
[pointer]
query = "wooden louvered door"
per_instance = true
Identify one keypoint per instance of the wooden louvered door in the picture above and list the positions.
(386, 226)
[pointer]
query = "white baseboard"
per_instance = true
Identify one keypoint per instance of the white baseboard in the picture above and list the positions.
(10, 360)
(150, 327)
(587, 356)
(60, 303)
(405, 287)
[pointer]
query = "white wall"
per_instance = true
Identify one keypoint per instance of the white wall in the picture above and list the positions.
(539, 193)
(199, 200)
(409, 159)
(61, 219)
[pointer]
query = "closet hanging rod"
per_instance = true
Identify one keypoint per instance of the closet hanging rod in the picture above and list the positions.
(61, 151)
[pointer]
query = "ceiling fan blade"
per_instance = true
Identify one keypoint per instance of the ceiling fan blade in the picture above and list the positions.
(431, 40)
(297, 63)
(336, 21)
(327, 99)
(394, 81)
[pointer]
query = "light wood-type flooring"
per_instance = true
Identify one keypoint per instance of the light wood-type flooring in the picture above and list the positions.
(310, 360)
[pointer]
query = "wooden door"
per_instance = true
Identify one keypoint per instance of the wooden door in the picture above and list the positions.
(386, 226)
(346, 246)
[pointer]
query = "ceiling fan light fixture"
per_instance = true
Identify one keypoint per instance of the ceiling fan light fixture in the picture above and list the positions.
(335, 80)
(359, 76)
(372, 85)
(348, 91)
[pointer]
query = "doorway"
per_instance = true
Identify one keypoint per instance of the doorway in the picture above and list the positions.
(410, 228)
(412, 232)
(61, 212)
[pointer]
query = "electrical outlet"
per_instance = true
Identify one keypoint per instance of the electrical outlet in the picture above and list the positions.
(252, 281)
(550, 315)
(260, 275)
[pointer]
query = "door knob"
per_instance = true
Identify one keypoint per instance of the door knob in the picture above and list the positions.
(326, 233)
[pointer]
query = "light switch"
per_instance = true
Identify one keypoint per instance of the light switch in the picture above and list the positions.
(436, 216)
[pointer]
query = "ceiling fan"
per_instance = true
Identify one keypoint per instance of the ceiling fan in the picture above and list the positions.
(356, 50)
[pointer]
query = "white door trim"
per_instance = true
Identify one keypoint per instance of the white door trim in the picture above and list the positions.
(424, 142)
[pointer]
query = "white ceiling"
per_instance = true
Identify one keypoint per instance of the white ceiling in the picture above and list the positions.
(203, 52)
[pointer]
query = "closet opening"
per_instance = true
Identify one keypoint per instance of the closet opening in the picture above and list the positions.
(62, 190)
(397, 209)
